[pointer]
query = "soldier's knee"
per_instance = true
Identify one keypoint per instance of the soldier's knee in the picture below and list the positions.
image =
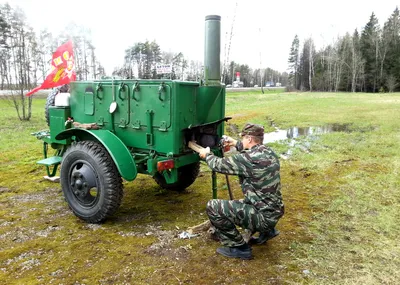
(209, 208)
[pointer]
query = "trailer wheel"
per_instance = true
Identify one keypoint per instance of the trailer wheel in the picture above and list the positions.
(90, 181)
(186, 176)
(50, 102)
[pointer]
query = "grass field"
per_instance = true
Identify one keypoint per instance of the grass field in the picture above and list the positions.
(341, 197)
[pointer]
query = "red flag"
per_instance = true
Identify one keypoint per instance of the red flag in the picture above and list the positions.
(62, 68)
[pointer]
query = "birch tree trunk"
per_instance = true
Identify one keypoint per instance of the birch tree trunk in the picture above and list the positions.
(310, 69)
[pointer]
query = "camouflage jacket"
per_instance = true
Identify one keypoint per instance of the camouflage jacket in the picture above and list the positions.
(259, 173)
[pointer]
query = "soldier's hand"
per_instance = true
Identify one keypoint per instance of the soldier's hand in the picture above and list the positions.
(229, 141)
(203, 152)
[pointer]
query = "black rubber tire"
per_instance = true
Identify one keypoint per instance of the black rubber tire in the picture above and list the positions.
(50, 102)
(90, 181)
(186, 176)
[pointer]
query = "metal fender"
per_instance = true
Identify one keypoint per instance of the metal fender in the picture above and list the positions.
(116, 148)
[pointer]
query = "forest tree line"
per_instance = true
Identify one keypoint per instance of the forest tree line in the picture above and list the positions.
(364, 61)
(141, 59)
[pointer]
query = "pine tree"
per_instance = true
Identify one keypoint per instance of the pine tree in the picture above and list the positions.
(294, 63)
(370, 51)
(390, 69)
(357, 64)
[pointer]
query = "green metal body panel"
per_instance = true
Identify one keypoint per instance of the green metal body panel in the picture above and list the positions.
(150, 124)
(151, 114)
(153, 121)
(211, 106)
(58, 118)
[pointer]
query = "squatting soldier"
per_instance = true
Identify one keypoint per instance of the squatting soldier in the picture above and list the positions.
(258, 169)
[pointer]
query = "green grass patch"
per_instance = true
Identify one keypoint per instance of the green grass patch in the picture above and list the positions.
(341, 197)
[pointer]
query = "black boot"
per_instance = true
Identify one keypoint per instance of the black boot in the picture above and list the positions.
(243, 251)
(264, 237)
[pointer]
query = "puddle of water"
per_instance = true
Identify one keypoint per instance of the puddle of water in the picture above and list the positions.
(295, 132)
(289, 136)
(309, 133)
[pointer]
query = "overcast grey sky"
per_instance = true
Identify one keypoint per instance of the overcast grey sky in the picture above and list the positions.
(261, 27)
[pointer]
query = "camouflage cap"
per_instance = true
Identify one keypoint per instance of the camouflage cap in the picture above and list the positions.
(252, 130)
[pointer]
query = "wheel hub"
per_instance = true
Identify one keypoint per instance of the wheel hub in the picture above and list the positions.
(78, 184)
(83, 179)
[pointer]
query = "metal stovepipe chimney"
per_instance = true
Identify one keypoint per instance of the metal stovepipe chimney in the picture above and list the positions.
(212, 50)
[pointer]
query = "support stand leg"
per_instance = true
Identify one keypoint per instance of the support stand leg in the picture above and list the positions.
(214, 184)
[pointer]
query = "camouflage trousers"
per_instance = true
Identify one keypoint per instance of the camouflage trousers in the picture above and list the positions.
(224, 215)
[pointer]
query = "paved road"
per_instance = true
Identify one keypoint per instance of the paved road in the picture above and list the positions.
(252, 89)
